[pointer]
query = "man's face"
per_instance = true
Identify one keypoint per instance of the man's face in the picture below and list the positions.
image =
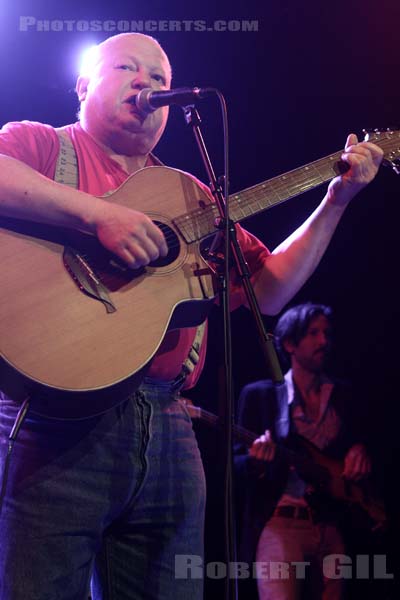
(312, 350)
(126, 65)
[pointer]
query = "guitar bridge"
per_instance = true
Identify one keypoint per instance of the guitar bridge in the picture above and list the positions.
(86, 278)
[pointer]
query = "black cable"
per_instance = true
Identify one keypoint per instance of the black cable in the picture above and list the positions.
(11, 439)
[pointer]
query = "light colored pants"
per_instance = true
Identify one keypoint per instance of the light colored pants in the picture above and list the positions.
(286, 541)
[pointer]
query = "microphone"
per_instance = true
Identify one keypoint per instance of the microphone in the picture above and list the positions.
(147, 100)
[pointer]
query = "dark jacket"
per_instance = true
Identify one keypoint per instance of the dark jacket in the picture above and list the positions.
(262, 405)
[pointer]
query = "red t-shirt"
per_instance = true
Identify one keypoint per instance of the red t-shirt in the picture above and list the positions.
(37, 145)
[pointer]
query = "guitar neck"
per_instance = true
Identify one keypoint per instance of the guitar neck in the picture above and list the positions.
(200, 223)
(315, 469)
(283, 187)
(240, 433)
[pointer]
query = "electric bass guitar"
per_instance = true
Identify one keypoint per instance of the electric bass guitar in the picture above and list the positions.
(322, 472)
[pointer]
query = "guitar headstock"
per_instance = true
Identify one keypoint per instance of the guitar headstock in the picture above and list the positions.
(389, 141)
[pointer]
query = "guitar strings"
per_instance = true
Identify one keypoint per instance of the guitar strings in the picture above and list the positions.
(201, 225)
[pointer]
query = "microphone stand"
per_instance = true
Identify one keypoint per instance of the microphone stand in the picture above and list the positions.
(234, 251)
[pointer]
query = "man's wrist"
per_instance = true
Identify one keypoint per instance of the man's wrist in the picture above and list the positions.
(340, 193)
(93, 214)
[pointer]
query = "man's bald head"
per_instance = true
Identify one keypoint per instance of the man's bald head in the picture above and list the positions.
(98, 53)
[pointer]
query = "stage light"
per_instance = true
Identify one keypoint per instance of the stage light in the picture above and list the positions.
(87, 60)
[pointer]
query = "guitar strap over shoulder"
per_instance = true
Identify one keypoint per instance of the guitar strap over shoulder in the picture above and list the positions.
(67, 162)
(67, 173)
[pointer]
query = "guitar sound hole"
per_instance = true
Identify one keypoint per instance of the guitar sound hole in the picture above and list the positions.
(173, 246)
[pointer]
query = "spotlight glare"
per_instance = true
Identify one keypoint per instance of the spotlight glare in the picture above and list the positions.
(87, 60)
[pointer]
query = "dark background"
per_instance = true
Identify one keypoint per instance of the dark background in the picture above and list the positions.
(312, 73)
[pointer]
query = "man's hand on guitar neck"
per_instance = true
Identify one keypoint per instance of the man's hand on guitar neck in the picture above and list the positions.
(296, 258)
(363, 160)
(357, 464)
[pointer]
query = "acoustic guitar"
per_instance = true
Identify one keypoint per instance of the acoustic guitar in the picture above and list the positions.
(74, 318)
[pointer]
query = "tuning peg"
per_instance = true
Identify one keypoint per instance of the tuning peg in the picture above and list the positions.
(394, 164)
(371, 134)
(367, 133)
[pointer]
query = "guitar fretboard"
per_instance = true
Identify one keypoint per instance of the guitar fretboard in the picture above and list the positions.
(242, 434)
(200, 223)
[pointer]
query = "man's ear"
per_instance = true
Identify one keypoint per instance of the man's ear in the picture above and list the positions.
(288, 346)
(81, 87)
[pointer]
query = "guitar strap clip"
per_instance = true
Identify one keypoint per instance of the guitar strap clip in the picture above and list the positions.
(191, 361)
